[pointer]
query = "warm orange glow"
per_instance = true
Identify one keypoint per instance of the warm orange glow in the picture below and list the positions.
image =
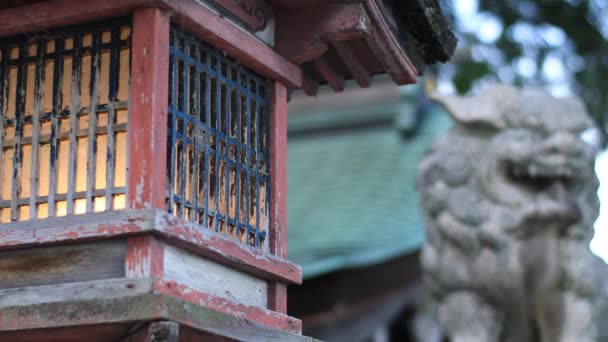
(70, 156)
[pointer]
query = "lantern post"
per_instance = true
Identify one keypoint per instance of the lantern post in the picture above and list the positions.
(143, 164)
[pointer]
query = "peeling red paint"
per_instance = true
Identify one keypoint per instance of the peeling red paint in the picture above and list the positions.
(144, 257)
(259, 315)
(179, 231)
(198, 19)
(222, 249)
(277, 292)
(148, 112)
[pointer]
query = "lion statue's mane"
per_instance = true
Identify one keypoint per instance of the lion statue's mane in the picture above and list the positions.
(509, 200)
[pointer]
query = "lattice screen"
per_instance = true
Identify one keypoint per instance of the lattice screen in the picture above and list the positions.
(64, 111)
(218, 141)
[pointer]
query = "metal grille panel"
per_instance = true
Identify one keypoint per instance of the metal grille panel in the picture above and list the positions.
(64, 111)
(218, 141)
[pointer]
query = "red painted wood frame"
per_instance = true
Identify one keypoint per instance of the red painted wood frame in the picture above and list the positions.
(277, 296)
(148, 113)
(196, 18)
(148, 129)
(147, 146)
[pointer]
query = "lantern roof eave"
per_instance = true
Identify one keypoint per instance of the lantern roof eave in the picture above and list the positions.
(338, 40)
(329, 40)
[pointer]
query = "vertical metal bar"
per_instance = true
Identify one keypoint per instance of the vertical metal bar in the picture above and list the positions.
(92, 136)
(196, 107)
(39, 93)
(207, 132)
(112, 94)
(184, 115)
(74, 109)
(170, 123)
(238, 165)
(218, 128)
(174, 108)
(248, 166)
(19, 120)
(57, 103)
(267, 161)
(257, 145)
(227, 119)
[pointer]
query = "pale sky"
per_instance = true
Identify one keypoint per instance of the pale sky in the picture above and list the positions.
(599, 243)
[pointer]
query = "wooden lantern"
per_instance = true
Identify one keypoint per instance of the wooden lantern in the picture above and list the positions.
(142, 171)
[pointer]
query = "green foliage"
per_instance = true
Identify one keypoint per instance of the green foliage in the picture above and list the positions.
(467, 73)
(582, 47)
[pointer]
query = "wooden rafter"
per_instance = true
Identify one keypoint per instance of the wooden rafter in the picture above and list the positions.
(352, 62)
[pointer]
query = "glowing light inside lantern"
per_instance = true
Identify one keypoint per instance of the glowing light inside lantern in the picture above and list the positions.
(63, 123)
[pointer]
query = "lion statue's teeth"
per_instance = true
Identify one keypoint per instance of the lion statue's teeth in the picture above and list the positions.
(507, 253)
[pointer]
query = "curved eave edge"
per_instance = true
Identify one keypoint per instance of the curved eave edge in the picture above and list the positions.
(424, 23)
(360, 258)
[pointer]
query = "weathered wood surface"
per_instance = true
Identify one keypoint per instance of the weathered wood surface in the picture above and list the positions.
(63, 264)
(262, 316)
(215, 279)
(144, 256)
(226, 325)
(55, 230)
(102, 307)
(74, 291)
(306, 33)
(240, 45)
(200, 20)
(219, 248)
(277, 291)
(148, 112)
(255, 14)
(113, 224)
(278, 170)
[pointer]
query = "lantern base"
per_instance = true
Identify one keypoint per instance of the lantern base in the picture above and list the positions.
(125, 309)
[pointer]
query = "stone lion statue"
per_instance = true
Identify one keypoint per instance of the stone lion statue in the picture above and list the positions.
(509, 199)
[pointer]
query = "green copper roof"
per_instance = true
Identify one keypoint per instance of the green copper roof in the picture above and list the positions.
(351, 196)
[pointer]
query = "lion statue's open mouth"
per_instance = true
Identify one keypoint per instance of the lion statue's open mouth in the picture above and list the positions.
(509, 197)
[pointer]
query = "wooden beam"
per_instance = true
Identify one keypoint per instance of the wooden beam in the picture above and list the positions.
(85, 290)
(148, 114)
(384, 43)
(164, 331)
(144, 257)
(217, 247)
(302, 34)
(125, 223)
(242, 46)
(213, 278)
(132, 304)
(207, 25)
(278, 171)
(255, 14)
(277, 296)
(335, 80)
(277, 291)
(47, 14)
(310, 87)
(266, 317)
(61, 264)
(61, 230)
(352, 62)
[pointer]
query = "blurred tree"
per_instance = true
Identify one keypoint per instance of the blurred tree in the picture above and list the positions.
(559, 44)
